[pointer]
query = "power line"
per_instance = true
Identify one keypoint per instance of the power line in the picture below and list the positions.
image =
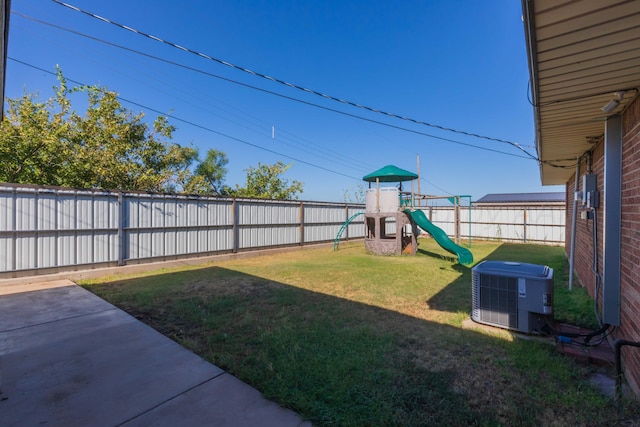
(197, 125)
(296, 142)
(528, 157)
(288, 84)
(434, 185)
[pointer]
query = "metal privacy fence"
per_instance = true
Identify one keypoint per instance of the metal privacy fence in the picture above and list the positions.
(53, 228)
(512, 223)
(48, 229)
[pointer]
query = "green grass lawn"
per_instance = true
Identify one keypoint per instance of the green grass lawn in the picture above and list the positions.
(350, 339)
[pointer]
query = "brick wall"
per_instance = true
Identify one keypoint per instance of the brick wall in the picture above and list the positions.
(583, 262)
(630, 243)
(630, 238)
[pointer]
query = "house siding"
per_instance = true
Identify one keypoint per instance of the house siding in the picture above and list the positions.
(630, 239)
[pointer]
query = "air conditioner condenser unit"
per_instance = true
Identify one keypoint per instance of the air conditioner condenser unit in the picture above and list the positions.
(512, 295)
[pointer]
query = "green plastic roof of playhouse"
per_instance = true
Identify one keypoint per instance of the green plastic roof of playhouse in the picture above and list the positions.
(390, 173)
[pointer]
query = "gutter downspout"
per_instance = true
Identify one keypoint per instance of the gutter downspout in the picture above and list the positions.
(574, 217)
(612, 221)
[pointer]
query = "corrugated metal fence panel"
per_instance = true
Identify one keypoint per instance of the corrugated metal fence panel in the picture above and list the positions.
(44, 227)
(217, 215)
(509, 223)
(502, 216)
(136, 214)
(322, 222)
(389, 226)
(545, 234)
(67, 226)
(443, 217)
(106, 219)
(356, 229)
(169, 226)
(498, 231)
(164, 220)
(91, 239)
(522, 223)
(44, 231)
(551, 217)
(222, 238)
(315, 214)
(268, 213)
(187, 234)
(25, 244)
(504, 223)
(546, 225)
(271, 223)
(7, 227)
(84, 220)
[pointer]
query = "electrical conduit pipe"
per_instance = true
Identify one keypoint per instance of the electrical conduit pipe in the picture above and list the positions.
(574, 218)
(616, 347)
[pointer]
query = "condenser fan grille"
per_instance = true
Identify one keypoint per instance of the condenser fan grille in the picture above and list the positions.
(498, 300)
(512, 295)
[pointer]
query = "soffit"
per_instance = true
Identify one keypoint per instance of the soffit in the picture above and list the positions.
(581, 53)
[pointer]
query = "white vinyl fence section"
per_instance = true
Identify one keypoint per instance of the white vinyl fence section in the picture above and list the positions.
(50, 229)
(46, 229)
(527, 224)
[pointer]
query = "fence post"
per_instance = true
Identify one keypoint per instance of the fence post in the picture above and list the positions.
(456, 220)
(56, 250)
(236, 231)
(524, 232)
(301, 223)
(36, 198)
(120, 230)
(346, 229)
(470, 213)
(14, 229)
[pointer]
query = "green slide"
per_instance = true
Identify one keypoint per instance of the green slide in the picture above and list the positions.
(464, 255)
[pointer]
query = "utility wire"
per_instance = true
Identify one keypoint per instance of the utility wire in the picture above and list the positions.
(296, 142)
(431, 183)
(313, 149)
(285, 83)
(196, 125)
(529, 156)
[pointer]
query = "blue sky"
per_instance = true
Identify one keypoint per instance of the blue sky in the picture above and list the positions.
(456, 64)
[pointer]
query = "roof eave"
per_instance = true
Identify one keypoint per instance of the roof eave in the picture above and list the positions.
(528, 19)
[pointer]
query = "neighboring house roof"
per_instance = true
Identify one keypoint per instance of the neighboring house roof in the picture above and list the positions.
(549, 197)
(583, 55)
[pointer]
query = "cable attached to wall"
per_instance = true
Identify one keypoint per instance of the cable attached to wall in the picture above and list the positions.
(594, 264)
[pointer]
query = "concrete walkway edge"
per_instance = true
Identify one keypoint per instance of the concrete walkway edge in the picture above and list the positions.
(67, 358)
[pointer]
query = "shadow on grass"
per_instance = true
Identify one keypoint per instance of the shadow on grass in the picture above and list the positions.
(456, 297)
(340, 362)
(439, 256)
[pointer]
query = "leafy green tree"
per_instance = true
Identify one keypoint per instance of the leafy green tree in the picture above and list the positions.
(266, 182)
(30, 146)
(109, 147)
(211, 172)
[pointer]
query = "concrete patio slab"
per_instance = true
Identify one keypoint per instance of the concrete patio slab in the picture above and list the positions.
(34, 304)
(69, 358)
(224, 401)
